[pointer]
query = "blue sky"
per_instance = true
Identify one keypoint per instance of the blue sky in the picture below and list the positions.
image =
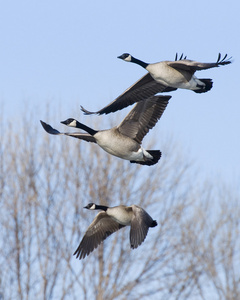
(65, 53)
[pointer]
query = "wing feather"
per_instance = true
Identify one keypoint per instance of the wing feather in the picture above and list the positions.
(101, 227)
(144, 88)
(143, 117)
(140, 224)
(193, 66)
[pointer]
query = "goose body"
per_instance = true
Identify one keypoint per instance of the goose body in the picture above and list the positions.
(164, 76)
(109, 140)
(169, 76)
(111, 219)
(179, 74)
(124, 140)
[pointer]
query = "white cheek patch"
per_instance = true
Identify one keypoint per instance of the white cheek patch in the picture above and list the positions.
(73, 124)
(128, 58)
(93, 206)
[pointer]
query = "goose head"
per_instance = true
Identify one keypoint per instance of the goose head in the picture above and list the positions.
(90, 206)
(70, 122)
(126, 57)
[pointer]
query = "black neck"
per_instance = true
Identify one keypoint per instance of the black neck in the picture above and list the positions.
(86, 128)
(139, 62)
(102, 207)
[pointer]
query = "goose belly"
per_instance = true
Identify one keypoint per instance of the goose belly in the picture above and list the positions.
(120, 145)
(120, 215)
(169, 76)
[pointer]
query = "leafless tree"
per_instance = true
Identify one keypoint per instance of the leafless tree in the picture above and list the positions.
(210, 247)
(44, 183)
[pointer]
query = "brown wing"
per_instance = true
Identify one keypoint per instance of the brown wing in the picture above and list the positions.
(192, 66)
(140, 224)
(83, 136)
(143, 117)
(101, 227)
(144, 88)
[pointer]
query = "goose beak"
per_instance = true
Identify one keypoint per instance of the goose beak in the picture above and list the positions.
(85, 207)
(64, 122)
(122, 56)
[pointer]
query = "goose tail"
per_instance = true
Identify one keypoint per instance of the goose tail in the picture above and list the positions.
(154, 223)
(207, 86)
(156, 155)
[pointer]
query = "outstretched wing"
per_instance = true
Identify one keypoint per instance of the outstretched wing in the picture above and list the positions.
(140, 224)
(192, 66)
(101, 227)
(83, 136)
(144, 88)
(143, 117)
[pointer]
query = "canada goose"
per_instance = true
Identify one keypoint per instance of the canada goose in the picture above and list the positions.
(112, 219)
(165, 76)
(144, 88)
(180, 73)
(124, 140)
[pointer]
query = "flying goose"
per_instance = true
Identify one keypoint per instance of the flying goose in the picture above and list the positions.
(180, 73)
(124, 140)
(164, 76)
(112, 219)
(144, 88)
